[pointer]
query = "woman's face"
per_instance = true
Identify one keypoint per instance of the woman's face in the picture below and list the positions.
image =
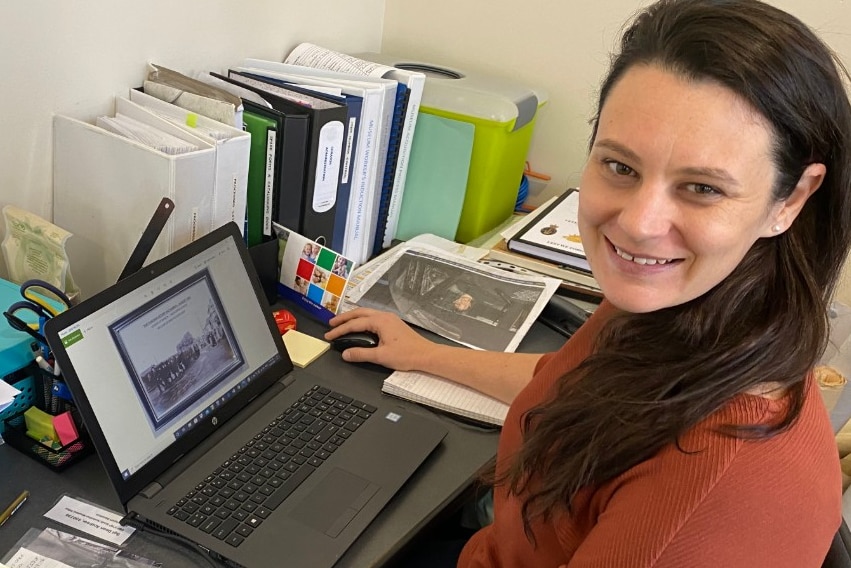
(676, 189)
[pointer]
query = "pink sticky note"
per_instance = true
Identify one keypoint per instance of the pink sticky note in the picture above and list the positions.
(65, 428)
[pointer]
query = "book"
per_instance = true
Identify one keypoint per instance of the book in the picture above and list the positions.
(403, 120)
(354, 106)
(261, 175)
(554, 234)
(326, 134)
(368, 158)
(193, 95)
(232, 154)
(414, 79)
(311, 275)
(447, 396)
(573, 280)
(390, 170)
(105, 187)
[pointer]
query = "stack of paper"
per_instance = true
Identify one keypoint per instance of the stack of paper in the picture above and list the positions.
(7, 395)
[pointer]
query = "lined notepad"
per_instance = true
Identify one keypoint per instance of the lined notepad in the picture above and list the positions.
(446, 395)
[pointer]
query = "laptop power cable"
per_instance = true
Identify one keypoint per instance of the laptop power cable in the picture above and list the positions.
(212, 559)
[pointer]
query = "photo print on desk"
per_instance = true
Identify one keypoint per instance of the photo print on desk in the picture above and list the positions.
(455, 298)
(313, 276)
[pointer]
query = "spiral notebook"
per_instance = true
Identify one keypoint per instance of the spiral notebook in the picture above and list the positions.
(446, 396)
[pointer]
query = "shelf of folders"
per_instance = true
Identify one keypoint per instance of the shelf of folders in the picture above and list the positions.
(42, 421)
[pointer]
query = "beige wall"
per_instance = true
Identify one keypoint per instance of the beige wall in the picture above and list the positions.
(561, 46)
(74, 57)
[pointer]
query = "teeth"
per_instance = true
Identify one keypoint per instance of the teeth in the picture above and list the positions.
(640, 260)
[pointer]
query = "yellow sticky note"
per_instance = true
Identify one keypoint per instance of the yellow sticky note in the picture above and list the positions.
(39, 424)
(304, 349)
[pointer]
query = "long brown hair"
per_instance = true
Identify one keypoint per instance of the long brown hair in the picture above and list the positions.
(653, 376)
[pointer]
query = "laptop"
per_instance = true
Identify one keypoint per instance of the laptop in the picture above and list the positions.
(206, 431)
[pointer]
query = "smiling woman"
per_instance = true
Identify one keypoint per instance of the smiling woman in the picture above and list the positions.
(680, 425)
(715, 213)
(670, 206)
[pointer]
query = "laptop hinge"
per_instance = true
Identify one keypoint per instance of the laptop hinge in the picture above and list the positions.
(151, 490)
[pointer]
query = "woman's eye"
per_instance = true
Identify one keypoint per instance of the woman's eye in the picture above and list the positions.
(702, 189)
(619, 168)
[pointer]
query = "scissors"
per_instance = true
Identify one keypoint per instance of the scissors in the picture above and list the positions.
(34, 330)
(33, 292)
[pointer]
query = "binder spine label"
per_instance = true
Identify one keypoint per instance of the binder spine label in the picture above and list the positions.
(357, 224)
(347, 157)
(233, 195)
(327, 166)
(193, 225)
(268, 202)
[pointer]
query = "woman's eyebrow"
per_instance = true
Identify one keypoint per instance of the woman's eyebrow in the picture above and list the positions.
(619, 148)
(719, 174)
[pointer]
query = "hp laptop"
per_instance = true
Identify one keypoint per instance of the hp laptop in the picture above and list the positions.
(205, 430)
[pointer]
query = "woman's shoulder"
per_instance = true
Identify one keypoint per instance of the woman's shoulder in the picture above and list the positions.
(755, 495)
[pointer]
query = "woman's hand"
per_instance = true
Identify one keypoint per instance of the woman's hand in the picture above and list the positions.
(399, 347)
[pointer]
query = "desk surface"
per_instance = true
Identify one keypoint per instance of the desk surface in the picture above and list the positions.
(445, 475)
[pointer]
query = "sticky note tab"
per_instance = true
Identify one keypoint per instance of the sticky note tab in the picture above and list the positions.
(65, 428)
(191, 120)
(304, 349)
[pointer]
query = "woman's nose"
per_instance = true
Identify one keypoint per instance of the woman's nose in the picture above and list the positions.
(647, 212)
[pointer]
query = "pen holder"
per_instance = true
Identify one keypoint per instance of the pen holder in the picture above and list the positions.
(41, 396)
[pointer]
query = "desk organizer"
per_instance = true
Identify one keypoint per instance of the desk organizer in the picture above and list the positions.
(37, 394)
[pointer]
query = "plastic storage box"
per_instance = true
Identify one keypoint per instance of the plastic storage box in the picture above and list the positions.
(503, 114)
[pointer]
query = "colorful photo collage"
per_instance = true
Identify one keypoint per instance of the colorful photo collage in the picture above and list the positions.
(312, 275)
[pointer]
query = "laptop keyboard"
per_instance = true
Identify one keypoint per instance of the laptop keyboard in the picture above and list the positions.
(240, 494)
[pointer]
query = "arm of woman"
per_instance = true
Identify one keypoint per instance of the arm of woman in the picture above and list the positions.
(500, 375)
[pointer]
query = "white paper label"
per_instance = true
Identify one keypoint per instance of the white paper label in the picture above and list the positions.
(327, 166)
(24, 558)
(100, 523)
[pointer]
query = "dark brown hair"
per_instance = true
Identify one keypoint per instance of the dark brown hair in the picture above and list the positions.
(653, 376)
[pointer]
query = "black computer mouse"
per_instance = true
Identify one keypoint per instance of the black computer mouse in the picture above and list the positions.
(355, 339)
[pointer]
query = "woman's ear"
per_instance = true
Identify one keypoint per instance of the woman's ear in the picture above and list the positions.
(788, 210)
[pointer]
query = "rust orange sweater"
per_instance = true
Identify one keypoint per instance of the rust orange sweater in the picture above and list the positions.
(735, 504)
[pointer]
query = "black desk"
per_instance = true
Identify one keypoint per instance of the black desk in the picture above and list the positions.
(435, 487)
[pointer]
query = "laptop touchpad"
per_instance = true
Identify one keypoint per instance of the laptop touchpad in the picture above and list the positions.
(334, 502)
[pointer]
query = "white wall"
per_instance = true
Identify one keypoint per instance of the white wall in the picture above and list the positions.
(73, 57)
(561, 46)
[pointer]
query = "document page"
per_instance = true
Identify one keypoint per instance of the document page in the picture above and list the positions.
(457, 298)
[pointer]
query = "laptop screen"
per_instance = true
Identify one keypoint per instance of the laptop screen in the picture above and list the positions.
(175, 348)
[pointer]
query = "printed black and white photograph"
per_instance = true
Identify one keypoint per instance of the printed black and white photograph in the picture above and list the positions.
(461, 303)
(177, 348)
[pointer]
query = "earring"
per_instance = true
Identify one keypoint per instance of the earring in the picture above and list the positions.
(776, 228)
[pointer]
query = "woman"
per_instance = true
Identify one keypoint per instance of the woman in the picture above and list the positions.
(681, 425)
